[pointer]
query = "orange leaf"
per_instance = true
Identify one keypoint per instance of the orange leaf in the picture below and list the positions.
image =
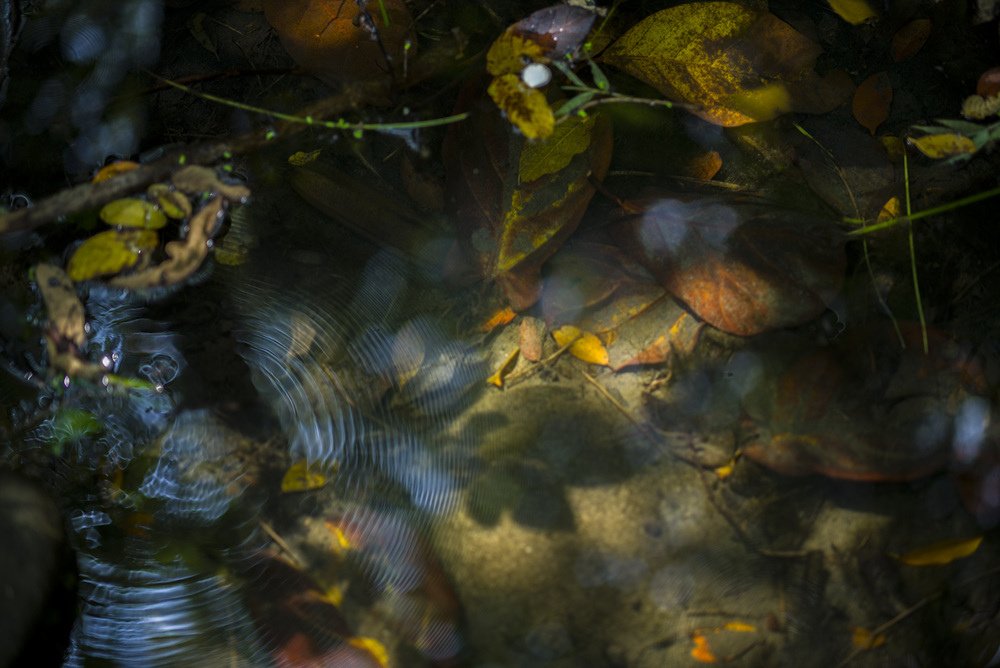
(498, 319)
(909, 39)
(330, 40)
(113, 170)
(704, 167)
(701, 652)
(872, 100)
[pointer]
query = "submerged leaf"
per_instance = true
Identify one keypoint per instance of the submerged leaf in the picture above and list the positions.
(909, 39)
(872, 100)
(740, 65)
(742, 267)
(108, 253)
(63, 306)
(942, 552)
(862, 638)
(853, 11)
(526, 107)
(300, 478)
(582, 345)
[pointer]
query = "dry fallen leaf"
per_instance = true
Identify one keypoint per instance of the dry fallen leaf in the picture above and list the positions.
(872, 100)
(942, 552)
(113, 170)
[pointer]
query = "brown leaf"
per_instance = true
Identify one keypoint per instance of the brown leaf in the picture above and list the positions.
(872, 100)
(988, 84)
(331, 40)
(531, 334)
(909, 39)
(742, 267)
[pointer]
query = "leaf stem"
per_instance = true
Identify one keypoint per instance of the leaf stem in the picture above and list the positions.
(913, 253)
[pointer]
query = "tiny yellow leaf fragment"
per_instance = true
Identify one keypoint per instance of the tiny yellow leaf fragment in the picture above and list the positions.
(853, 11)
(342, 542)
(508, 365)
(943, 145)
(334, 595)
(942, 552)
(300, 478)
(373, 647)
(862, 638)
(890, 210)
(739, 627)
(498, 319)
(701, 652)
(582, 345)
(726, 470)
(114, 169)
(131, 212)
(300, 158)
(173, 202)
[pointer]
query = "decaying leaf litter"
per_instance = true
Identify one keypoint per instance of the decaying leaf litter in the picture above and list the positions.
(702, 426)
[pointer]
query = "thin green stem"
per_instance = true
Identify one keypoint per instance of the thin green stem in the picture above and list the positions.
(926, 213)
(339, 124)
(913, 254)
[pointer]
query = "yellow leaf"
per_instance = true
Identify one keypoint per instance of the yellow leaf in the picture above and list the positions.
(526, 107)
(300, 158)
(942, 552)
(373, 647)
(131, 212)
(508, 53)
(701, 652)
(505, 368)
(853, 11)
(173, 202)
(890, 210)
(300, 478)
(726, 470)
(944, 145)
(582, 345)
(108, 253)
(498, 319)
(739, 627)
(732, 61)
(862, 638)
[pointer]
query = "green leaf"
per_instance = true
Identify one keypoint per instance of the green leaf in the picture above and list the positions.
(109, 252)
(574, 103)
(600, 78)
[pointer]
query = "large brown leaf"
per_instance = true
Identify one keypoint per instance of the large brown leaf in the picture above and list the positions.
(740, 65)
(741, 266)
